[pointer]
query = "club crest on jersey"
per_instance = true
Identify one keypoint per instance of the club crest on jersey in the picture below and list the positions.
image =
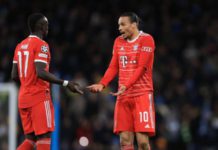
(44, 49)
(135, 47)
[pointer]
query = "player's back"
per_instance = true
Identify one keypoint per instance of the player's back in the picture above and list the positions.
(31, 50)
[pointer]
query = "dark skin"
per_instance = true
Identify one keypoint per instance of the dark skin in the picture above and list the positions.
(47, 76)
(41, 31)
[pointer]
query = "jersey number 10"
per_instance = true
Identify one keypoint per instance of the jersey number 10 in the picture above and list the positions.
(143, 116)
(23, 55)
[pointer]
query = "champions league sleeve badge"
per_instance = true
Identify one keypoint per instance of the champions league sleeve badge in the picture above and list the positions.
(44, 49)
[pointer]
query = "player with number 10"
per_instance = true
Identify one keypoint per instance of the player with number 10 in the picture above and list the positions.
(132, 60)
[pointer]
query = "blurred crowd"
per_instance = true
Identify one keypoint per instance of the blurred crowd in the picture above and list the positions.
(81, 37)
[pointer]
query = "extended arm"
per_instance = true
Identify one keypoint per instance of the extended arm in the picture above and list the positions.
(109, 75)
(47, 76)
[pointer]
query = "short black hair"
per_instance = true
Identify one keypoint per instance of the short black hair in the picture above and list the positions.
(33, 19)
(132, 16)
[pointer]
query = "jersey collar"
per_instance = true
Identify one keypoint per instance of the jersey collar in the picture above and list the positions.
(34, 36)
(133, 40)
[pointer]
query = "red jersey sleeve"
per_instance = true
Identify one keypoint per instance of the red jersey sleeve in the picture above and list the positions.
(15, 59)
(146, 54)
(112, 70)
(42, 53)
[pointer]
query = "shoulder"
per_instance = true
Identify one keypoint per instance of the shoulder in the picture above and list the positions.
(119, 39)
(16, 48)
(42, 45)
(18, 45)
(147, 38)
(41, 42)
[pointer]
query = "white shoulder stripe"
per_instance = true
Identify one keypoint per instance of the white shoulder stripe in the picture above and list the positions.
(150, 97)
(39, 60)
(14, 61)
(144, 34)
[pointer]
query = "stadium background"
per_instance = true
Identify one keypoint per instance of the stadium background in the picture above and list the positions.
(81, 36)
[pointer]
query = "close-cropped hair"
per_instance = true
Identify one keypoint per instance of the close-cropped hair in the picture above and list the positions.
(32, 21)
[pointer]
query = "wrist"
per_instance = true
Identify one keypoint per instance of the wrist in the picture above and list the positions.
(65, 83)
(102, 85)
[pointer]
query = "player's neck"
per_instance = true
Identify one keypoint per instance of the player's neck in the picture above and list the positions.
(134, 35)
(37, 34)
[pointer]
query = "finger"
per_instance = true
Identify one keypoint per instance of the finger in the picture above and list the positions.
(77, 84)
(79, 91)
(90, 86)
(92, 90)
(96, 90)
(114, 93)
(117, 93)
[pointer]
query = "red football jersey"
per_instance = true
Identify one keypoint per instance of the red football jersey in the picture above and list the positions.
(32, 89)
(133, 60)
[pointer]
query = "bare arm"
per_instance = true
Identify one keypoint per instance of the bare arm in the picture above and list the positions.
(47, 76)
(108, 76)
(14, 72)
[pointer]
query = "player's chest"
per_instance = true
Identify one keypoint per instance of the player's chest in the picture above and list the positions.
(128, 54)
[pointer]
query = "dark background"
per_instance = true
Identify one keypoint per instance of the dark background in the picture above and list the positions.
(81, 35)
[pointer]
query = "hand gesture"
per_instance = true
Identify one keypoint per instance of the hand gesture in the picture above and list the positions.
(121, 90)
(74, 87)
(95, 87)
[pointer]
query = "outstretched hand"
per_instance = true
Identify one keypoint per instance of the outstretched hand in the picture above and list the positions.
(95, 88)
(74, 87)
(121, 90)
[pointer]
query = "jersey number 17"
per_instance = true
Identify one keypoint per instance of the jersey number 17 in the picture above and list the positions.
(23, 57)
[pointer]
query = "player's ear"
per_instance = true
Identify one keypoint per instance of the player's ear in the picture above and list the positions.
(134, 25)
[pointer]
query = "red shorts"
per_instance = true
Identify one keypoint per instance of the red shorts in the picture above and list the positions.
(135, 114)
(38, 118)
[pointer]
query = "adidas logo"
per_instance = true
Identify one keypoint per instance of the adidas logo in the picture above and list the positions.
(147, 126)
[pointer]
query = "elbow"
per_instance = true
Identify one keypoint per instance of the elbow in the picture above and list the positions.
(14, 78)
(39, 74)
(14, 75)
(142, 68)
